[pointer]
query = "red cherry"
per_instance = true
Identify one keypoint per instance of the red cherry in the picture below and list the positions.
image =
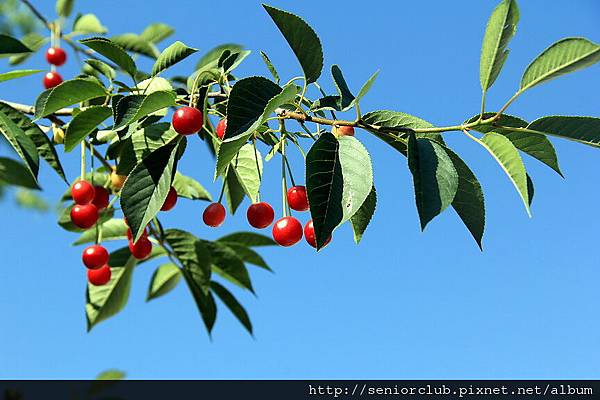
(101, 198)
(221, 128)
(94, 256)
(100, 276)
(214, 215)
(260, 215)
(287, 231)
(297, 199)
(187, 120)
(141, 249)
(84, 216)
(82, 192)
(309, 235)
(52, 79)
(170, 201)
(56, 56)
(130, 235)
(343, 130)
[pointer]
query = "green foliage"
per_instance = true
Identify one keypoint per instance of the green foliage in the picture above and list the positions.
(15, 173)
(113, 229)
(64, 8)
(85, 123)
(66, 94)
(132, 108)
(584, 130)
(7, 76)
(361, 219)
(189, 188)
(171, 56)
(165, 278)
(113, 52)
(88, 24)
(10, 45)
(231, 302)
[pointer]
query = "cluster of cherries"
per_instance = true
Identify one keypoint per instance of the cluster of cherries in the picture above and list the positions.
(57, 57)
(286, 231)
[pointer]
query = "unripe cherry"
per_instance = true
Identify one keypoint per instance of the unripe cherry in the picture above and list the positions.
(170, 201)
(56, 56)
(287, 231)
(309, 235)
(94, 256)
(82, 192)
(343, 130)
(84, 216)
(297, 198)
(221, 127)
(117, 181)
(187, 120)
(52, 79)
(100, 276)
(260, 215)
(141, 249)
(101, 198)
(214, 215)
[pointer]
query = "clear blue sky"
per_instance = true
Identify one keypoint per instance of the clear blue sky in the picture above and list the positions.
(403, 304)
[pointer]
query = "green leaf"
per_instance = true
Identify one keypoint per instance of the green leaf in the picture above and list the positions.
(367, 86)
(141, 143)
(228, 264)
(193, 255)
(434, 176)
(10, 45)
(102, 68)
(113, 229)
(64, 7)
(500, 29)
(211, 58)
(15, 173)
(88, 23)
(584, 130)
(165, 278)
(530, 190)
(19, 140)
(302, 39)
(566, 55)
(469, 202)
(111, 375)
(357, 173)
(234, 60)
(7, 76)
(147, 186)
(108, 300)
(346, 98)
(270, 66)
(156, 33)
(204, 300)
(190, 188)
(29, 199)
(34, 42)
(85, 123)
(325, 186)
(248, 239)
(171, 56)
(234, 192)
(66, 94)
(248, 167)
(113, 52)
(248, 255)
(234, 306)
(361, 219)
(134, 43)
(132, 108)
(507, 155)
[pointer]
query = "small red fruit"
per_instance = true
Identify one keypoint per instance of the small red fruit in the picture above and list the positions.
(187, 120)
(101, 198)
(141, 249)
(297, 199)
(221, 126)
(214, 215)
(130, 235)
(287, 231)
(260, 215)
(52, 79)
(94, 256)
(84, 216)
(100, 276)
(56, 56)
(343, 130)
(170, 201)
(309, 235)
(82, 192)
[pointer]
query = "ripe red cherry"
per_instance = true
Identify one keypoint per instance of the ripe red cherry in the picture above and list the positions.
(52, 79)
(287, 231)
(141, 249)
(187, 120)
(130, 235)
(84, 216)
(214, 215)
(221, 128)
(309, 235)
(343, 130)
(56, 56)
(101, 196)
(297, 199)
(170, 201)
(94, 256)
(82, 192)
(260, 215)
(100, 276)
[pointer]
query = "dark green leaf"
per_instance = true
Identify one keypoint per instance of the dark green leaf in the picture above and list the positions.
(226, 263)
(66, 94)
(141, 143)
(234, 306)
(10, 45)
(113, 52)
(234, 192)
(19, 140)
(165, 278)
(102, 68)
(248, 239)
(211, 58)
(135, 44)
(361, 219)
(248, 255)
(345, 95)
(584, 130)
(132, 108)
(193, 255)
(15, 173)
(204, 300)
(171, 56)
(530, 190)
(34, 42)
(85, 123)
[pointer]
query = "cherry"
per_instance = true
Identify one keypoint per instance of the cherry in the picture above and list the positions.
(141, 249)
(130, 235)
(56, 56)
(287, 231)
(187, 120)
(94, 256)
(297, 199)
(343, 130)
(170, 201)
(100, 198)
(309, 235)
(84, 216)
(52, 79)
(214, 215)
(260, 215)
(221, 128)
(82, 192)
(100, 276)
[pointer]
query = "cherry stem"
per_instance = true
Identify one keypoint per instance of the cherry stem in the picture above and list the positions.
(257, 167)
(223, 185)
(285, 206)
(82, 160)
(290, 171)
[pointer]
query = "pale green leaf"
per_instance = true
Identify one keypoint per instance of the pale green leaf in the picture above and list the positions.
(7, 76)
(66, 94)
(361, 219)
(165, 278)
(357, 173)
(170, 56)
(113, 52)
(85, 123)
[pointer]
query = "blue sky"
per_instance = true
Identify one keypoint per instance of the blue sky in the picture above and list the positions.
(403, 304)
